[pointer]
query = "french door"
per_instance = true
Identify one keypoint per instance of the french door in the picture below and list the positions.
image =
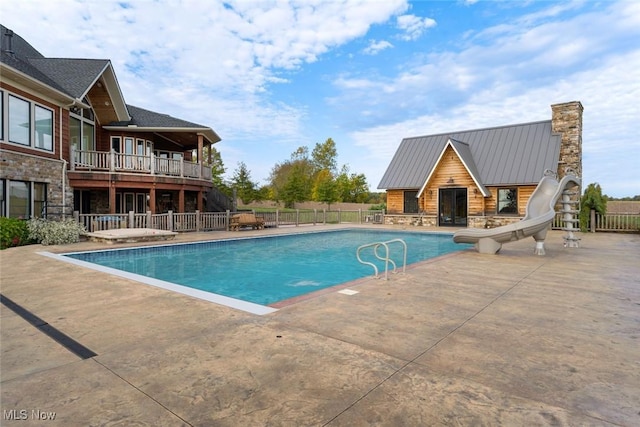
(452, 207)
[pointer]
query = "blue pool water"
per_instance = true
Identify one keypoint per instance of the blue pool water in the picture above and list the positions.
(269, 269)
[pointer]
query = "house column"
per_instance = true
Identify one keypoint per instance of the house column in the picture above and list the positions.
(200, 196)
(181, 200)
(112, 197)
(152, 199)
(200, 152)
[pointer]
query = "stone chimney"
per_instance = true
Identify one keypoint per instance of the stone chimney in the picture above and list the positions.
(566, 119)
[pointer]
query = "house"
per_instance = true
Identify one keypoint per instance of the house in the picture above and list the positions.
(481, 177)
(70, 142)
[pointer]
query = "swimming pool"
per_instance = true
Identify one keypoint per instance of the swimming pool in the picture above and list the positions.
(264, 270)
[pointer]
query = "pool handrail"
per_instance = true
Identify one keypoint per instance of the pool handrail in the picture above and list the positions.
(387, 259)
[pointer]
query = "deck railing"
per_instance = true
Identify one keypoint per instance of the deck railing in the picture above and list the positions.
(608, 222)
(134, 163)
(209, 221)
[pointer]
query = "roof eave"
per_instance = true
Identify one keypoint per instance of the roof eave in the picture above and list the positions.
(208, 133)
(113, 89)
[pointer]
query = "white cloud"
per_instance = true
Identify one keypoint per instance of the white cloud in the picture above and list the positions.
(376, 47)
(515, 78)
(414, 26)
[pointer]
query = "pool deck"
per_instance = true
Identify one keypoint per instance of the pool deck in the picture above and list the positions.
(512, 339)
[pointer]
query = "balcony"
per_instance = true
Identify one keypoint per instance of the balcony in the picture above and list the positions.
(110, 161)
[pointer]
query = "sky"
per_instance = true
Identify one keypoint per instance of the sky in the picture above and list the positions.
(272, 76)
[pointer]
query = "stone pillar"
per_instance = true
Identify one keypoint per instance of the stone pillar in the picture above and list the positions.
(566, 119)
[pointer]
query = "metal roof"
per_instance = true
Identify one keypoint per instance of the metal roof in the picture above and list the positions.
(507, 155)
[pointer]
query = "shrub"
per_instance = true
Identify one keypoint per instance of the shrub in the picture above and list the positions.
(379, 207)
(55, 232)
(13, 232)
(591, 200)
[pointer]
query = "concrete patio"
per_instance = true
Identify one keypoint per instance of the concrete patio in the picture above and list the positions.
(467, 339)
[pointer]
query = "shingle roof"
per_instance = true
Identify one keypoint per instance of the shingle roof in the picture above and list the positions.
(150, 119)
(508, 155)
(75, 76)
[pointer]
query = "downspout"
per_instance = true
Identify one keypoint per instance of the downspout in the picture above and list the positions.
(64, 169)
(76, 103)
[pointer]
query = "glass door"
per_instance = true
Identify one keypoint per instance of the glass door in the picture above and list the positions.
(452, 207)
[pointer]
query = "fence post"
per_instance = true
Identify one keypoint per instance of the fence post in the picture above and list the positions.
(593, 220)
(359, 216)
(315, 216)
(277, 218)
(297, 217)
(324, 216)
(228, 220)
(148, 220)
(131, 220)
(170, 221)
(76, 217)
(197, 220)
(339, 216)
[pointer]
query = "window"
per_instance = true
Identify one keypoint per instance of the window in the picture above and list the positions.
(23, 199)
(1, 116)
(19, 199)
(28, 124)
(19, 121)
(410, 202)
(81, 130)
(507, 201)
(44, 128)
(3, 211)
(39, 199)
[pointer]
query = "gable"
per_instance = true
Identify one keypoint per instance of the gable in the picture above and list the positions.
(508, 155)
(461, 151)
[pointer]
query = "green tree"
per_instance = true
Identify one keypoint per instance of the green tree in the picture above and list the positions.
(352, 188)
(324, 156)
(241, 181)
(290, 180)
(296, 187)
(592, 199)
(325, 189)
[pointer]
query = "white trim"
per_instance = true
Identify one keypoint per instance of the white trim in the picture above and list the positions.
(184, 290)
(437, 163)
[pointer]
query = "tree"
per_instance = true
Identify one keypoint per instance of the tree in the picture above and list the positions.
(324, 156)
(291, 180)
(217, 169)
(325, 189)
(241, 181)
(353, 187)
(296, 187)
(592, 199)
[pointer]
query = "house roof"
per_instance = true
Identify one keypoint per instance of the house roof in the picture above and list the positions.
(71, 80)
(150, 121)
(75, 76)
(507, 155)
(464, 154)
(68, 80)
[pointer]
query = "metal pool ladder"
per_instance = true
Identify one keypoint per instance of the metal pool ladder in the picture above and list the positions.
(386, 258)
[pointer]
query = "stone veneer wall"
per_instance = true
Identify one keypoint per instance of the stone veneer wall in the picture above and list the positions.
(566, 119)
(432, 220)
(26, 167)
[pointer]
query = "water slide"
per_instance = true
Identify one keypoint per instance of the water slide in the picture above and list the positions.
(539, 215)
